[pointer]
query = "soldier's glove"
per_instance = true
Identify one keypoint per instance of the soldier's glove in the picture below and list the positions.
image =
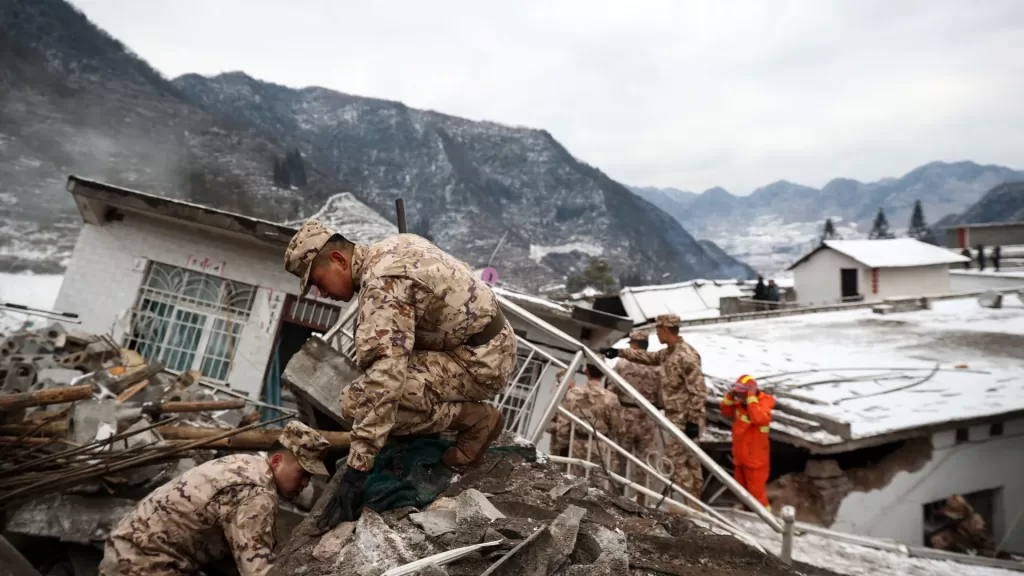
(692, 430)
(611, 353)
(347, 501)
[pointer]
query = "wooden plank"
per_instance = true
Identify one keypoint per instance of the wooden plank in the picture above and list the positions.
(45, 397)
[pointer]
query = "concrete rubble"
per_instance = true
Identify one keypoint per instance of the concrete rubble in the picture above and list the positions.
(537, 525)
(87, 428)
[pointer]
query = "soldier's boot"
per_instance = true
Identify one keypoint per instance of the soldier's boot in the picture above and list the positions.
(477, 425)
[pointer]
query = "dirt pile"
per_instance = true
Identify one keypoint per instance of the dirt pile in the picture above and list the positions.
(526, 518)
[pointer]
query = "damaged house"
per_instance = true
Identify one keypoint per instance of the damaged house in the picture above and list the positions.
(880, 419)
(200, 289)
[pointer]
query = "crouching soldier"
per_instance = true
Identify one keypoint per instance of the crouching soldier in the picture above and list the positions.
(223, 510)
(431, 339)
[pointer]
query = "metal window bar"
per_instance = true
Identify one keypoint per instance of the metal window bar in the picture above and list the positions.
(189, 320)
(659, 418)
(313, 313)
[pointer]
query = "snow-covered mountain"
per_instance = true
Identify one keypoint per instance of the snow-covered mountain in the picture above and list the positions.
(776, 223)
(75, 100)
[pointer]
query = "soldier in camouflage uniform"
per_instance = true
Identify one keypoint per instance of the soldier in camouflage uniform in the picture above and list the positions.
(637, 437)
(962, 530)
(595, 405)
(684, 393)
(430, 338)
(222, 510)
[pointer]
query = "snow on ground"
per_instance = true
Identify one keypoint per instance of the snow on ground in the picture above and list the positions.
(855, 560)
(36, 291)
(538, 252)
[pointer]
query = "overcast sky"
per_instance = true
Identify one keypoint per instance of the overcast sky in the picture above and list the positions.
(676, 93)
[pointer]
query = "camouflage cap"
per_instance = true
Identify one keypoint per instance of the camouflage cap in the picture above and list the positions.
(668, 320)
(304, 246)
(307, 445)
(638, 335)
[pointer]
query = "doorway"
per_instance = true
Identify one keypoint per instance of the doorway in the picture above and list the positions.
(848, 278)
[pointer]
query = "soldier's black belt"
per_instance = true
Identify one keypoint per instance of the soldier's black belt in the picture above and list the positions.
(493, 328)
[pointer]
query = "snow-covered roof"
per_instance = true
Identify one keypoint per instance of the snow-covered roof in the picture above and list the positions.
(855, 376)
(357, 221)
(533, 301)
(890, 253)
(690, 300)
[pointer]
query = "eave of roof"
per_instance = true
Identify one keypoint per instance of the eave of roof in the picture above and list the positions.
(98, 201)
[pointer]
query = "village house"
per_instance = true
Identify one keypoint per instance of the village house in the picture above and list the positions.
(203, 289)
(872, 270)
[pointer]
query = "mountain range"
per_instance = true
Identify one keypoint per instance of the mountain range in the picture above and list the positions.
(943, 189)
(1004, 203)
(75, 100)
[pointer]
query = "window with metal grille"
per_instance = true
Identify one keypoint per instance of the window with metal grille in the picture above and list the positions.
(189, 320)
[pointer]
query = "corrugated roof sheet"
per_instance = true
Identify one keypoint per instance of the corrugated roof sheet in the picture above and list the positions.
(689, 300)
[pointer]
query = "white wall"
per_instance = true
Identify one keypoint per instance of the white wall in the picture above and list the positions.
(818, 279)
(916, 281)
(973, 281)
(107, 266)
(897, 511)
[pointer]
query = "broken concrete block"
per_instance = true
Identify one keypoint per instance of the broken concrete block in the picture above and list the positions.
(435, 522)
(473, 514)
(823, 469)
(374, 549)
(332, 543)
(565, 528)
(613, 558)
(991, 299)
(58, 376)
(69, 517)
(442, 503)
(492, 535)
(93, 420)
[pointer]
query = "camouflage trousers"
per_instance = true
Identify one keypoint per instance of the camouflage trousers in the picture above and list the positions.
(437, 383)
(638, 439)
(687, 471)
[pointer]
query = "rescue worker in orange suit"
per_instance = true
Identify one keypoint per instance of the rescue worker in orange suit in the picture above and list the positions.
(751, 411)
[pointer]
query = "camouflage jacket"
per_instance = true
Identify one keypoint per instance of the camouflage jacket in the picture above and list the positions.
(594, 405)
(683, 389)
(414, 296)
(226, 506)
(646, 380)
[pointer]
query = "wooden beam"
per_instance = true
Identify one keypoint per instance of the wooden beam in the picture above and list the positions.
(45, 397)
(261, 439)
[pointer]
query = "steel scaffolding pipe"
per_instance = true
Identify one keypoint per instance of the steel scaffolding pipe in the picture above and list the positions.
(690, 498)
(642, 402)
(739, 534)
(549, 412)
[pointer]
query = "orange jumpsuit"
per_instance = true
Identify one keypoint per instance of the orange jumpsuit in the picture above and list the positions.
(750, 448)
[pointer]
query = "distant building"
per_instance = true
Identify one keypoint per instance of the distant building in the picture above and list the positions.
(872, 270)
(988, 235)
